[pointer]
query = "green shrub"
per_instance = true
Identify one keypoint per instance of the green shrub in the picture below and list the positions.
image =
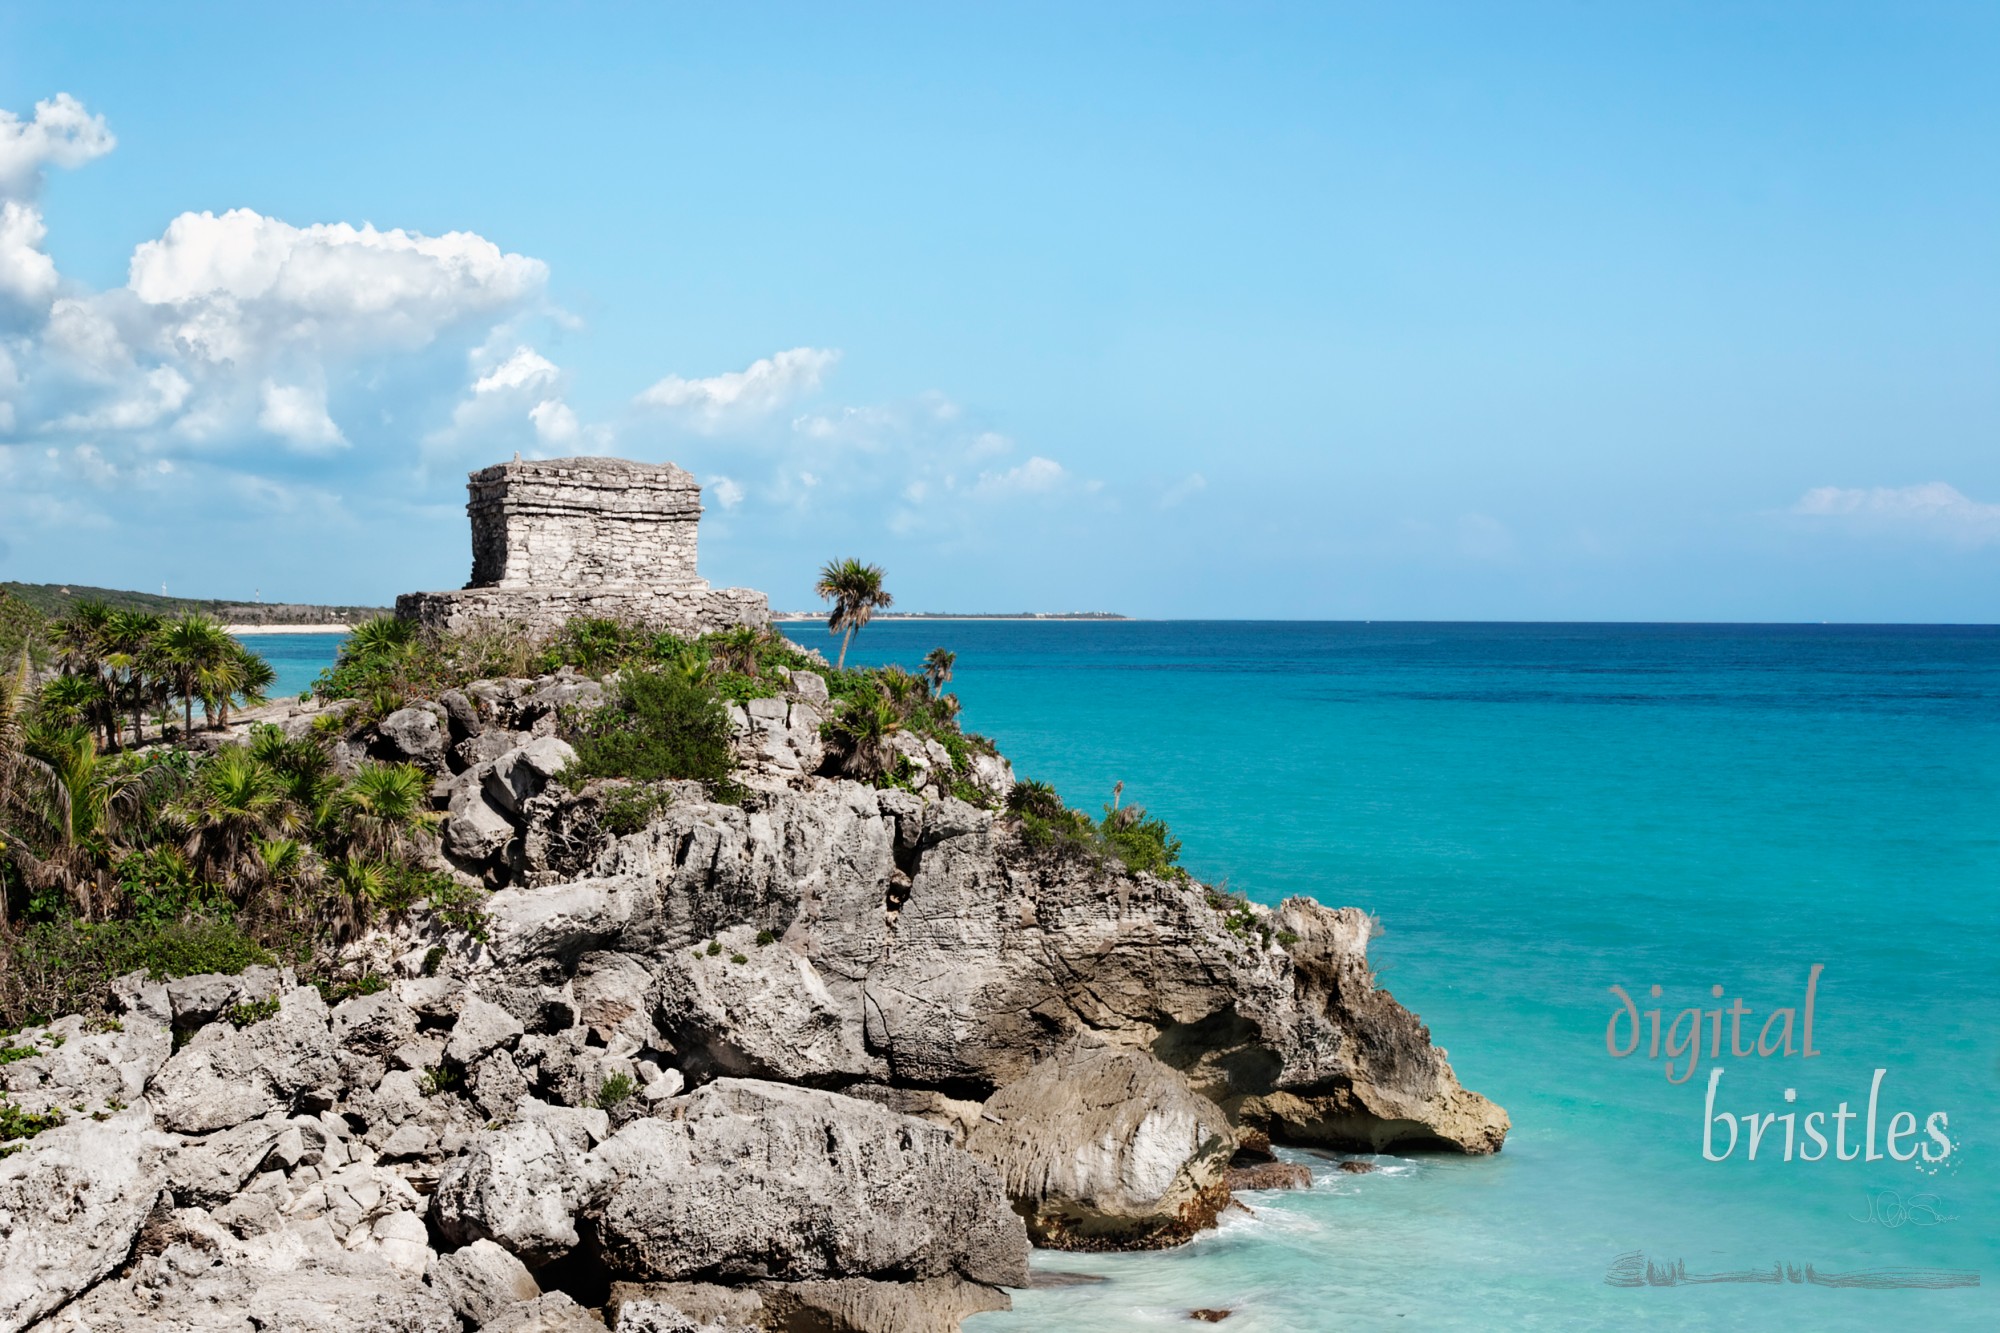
(1142, 844)
(437, 1079)
(65, 966)
(739, 958)
(615, 1089)
(253, 1011)
(628, 809)
(714, 948)
(335, 991)
(765, 937)
(9, 1054)
(659, 725)
(17, 1125)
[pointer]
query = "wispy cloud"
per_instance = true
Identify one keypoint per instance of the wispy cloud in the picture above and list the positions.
(1932, 510)
(735, 396)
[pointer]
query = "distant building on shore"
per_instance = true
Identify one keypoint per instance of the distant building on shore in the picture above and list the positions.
(563, 538)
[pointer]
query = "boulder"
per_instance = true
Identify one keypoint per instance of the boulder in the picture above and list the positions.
(771, 1016)
(520, 1186)
(476, 830)
(809, 686)
(1102, 1148)
(72, 1201)
(481, 1028)
(750, 1179)
(377, 1025)
(226, 1075)
(522, 772)
(461, 715)
(414, 736)
(483, 1280)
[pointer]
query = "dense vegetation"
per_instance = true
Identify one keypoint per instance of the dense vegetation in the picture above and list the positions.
(117, 854)
(1124, 833)
(56, 600)
(665, 718)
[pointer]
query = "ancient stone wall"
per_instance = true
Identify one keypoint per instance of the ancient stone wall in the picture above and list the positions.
(558, 539)
(582, 522)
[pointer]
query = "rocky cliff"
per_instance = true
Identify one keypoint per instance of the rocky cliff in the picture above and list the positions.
(827, 1056)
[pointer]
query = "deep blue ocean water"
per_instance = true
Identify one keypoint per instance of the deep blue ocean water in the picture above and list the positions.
(1538, 813)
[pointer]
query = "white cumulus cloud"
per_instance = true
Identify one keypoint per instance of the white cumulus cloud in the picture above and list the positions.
(61, 133)
(739, 395)
(1932, 509)
(296, 414)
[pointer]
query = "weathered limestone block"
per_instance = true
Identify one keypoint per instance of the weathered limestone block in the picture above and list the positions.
(1102, 1148)
(520, 1186)
(482, 1280)
(752, 1179)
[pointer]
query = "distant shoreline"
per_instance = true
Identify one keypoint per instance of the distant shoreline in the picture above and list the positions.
(290, 629)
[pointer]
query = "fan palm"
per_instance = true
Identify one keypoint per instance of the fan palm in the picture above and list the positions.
(235, 802)
(65, 807)
(856, 591)
(861, 732)
(384, 804)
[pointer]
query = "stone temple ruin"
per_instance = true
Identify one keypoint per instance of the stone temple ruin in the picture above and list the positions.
(555, 539)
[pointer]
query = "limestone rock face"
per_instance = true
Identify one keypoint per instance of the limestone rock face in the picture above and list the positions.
(78, 1062)
(225, 1076)
(1102, 1148)
(772, 1016)
(521, 773)
(70, 1209)
(751, 1179)
(967, 958)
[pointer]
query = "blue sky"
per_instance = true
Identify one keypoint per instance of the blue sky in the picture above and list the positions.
(1397, 311)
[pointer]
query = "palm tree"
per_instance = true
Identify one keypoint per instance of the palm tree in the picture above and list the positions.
(937, 668)
(192, 649)
(65, 809)
(84, 639)
(132, 660)
(71, 700)
(856, 591)
(736, 650)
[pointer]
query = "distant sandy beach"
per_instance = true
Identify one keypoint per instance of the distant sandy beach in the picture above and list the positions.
(328, 628)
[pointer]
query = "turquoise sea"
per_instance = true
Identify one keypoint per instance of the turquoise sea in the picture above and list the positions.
(1538, 813)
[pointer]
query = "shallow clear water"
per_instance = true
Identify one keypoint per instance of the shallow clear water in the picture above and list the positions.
(1538, 813)
(297, 658)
